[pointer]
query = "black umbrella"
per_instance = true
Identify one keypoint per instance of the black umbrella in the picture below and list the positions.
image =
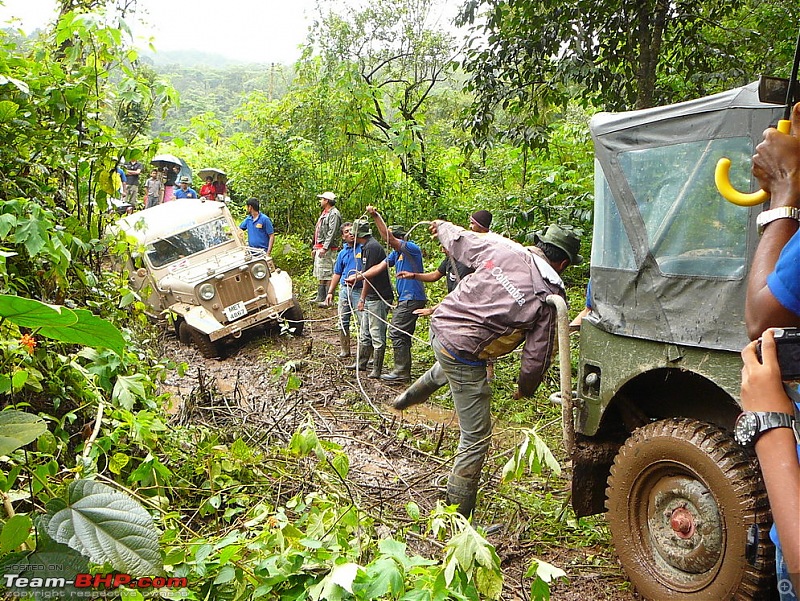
(164, 160)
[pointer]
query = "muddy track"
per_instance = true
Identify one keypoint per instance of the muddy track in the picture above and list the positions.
(386, 470)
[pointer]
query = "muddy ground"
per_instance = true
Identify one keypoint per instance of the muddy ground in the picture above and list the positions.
(394, 457)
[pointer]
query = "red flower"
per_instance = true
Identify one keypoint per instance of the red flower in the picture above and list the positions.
(28, 341)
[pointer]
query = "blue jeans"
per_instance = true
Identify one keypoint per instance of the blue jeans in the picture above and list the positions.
(348, 301)
(785, 588)
(373, 325)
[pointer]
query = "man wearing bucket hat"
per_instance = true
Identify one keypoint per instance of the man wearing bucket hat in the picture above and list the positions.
(498, 307)
(185, 191)
(327, 236)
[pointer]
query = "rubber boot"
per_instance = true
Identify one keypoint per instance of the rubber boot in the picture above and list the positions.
(462, 492)
(377, 363)
(344, 344)
(364, 353)
(322, 292)
(422, 389)
(401, 373)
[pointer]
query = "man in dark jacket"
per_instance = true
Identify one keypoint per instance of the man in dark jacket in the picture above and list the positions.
(498, 307)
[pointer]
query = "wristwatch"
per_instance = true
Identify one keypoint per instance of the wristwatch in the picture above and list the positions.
(752, 424)
(766, 217)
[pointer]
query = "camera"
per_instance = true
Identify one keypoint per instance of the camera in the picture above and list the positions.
(787, 344)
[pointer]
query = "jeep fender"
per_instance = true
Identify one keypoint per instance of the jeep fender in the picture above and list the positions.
(197, 317)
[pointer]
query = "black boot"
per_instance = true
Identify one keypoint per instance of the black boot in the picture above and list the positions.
(421, 390)
(364, 353)
(377, 363)
(402, 366)
(462, 492)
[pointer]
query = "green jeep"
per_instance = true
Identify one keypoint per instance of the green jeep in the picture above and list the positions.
(659, 371)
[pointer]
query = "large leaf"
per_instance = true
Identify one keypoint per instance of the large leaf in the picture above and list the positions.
(107, 526)
(51, 560)
(18, 429)
(89, 330)
(30, 313)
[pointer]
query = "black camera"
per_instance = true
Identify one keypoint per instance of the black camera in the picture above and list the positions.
(787, 344)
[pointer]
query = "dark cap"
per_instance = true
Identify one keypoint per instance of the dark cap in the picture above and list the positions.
(482, 218)
(398, 231)
(361, 228)
(564, 237)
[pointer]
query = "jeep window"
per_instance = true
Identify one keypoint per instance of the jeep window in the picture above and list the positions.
(610, 245)
(691, 229)
(187, 243)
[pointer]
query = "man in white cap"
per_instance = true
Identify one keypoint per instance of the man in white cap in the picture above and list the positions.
(327, 237)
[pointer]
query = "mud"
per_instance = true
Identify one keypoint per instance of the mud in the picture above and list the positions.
(395, 457)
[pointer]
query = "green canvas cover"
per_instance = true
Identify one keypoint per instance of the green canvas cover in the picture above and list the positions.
(670, 256)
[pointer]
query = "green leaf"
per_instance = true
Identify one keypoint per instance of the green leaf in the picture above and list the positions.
(30, 313)
(89, 330)
(128, 388)
(18, 429)
(341, 463)
(226, 574)
(412, 509)
(8, 110)
(118, 462)
(344, 575)
(383, 578)
(15, 532)
(108, 527)
(18, 379)
(5, 384)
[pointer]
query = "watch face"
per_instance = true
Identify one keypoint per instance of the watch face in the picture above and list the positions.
(746, 428)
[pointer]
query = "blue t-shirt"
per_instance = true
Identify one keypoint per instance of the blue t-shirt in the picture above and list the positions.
(258, 230)
(784, 281)
(409, 258)
(187, 193)
(348, 262)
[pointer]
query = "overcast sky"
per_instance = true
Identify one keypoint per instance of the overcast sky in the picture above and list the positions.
(246, 30)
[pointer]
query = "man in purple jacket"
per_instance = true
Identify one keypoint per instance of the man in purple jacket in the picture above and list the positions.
(490, 313)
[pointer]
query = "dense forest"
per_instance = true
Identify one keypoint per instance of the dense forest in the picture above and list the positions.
(383, 108)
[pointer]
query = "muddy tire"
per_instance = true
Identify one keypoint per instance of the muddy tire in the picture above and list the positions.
(204, 344)
(294, 317)
(184, 331)
(680, 500)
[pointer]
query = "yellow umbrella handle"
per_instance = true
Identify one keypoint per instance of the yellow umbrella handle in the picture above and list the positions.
(731, 194)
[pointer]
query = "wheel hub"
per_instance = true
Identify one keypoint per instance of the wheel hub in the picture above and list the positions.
(685, 524)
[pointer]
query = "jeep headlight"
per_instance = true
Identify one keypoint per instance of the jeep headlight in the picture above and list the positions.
(259, 271)
(206, 291)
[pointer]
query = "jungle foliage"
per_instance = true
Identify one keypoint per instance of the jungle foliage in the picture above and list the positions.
(378, 111)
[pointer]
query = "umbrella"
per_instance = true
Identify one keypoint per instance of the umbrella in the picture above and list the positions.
(204, 173)
(162, 160)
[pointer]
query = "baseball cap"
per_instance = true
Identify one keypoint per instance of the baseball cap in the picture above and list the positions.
(564, 237)
(185, 180)
(327, 196)
(398, 231)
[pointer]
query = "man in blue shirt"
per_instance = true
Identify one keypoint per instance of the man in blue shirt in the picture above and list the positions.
(773, 300)
(260, 233)
(405, 256)
(348, 262)
(185, 191)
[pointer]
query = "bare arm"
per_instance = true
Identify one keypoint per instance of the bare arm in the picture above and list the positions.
(776, 165)
(762, 390)
(332, 287)
(384, 231)
(430, 276)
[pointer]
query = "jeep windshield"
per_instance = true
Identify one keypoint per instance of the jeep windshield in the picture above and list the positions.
(189, 242)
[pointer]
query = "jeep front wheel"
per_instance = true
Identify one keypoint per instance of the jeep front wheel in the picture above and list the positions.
(294, 318)
(208, 348)
(681, 499)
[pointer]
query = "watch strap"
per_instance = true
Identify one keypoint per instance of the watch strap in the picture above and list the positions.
(766, 217)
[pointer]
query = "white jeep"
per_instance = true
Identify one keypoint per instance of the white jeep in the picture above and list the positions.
(190, 261)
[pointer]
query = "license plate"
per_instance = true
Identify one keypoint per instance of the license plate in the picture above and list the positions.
(235, 311)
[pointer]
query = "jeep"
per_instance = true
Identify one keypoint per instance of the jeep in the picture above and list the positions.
(659, 368)
(190, 262)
